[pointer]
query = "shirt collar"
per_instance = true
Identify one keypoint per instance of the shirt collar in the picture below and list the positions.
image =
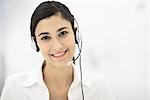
(35, 76)
(77, 77)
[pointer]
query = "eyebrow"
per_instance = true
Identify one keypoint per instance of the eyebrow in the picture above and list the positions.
(61, 29)
(45, 33)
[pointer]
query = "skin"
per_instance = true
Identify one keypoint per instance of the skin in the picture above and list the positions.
(56, 41)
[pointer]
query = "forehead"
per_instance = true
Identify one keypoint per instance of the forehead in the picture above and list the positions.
(52, 23)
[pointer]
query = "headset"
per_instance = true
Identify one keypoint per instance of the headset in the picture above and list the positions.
(79, 41)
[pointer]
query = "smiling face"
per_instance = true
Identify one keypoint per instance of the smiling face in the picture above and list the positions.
(55, 38)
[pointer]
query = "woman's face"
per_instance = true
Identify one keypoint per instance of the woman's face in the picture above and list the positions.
(55, 38)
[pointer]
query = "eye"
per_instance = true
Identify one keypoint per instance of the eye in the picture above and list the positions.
(45, 38)
(63, 33)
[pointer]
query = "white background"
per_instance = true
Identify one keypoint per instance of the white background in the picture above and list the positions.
(116, 35)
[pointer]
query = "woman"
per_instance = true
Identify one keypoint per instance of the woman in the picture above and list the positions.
(56, 78)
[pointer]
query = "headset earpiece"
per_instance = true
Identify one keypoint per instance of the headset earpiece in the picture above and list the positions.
(76, 35)
(34, 44)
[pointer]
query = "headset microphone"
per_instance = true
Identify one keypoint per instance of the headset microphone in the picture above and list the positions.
(69, 63)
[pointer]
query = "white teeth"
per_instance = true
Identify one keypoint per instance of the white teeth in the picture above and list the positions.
(58, 54)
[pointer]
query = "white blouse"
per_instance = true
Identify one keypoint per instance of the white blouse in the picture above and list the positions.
(29, 85)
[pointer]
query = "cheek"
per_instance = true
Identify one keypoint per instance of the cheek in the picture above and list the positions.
(70, 42)
(44, 48)
(72, 48)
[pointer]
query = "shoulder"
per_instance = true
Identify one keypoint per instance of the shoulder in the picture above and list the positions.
(12, 86)
(97, 87)
(93, 79)
(18, 78)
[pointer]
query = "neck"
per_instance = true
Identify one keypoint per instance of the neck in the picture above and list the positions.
(58, 76)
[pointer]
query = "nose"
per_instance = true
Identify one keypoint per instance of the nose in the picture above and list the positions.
(57, 45)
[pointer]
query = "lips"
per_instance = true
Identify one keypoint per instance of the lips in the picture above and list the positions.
(58, 54)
